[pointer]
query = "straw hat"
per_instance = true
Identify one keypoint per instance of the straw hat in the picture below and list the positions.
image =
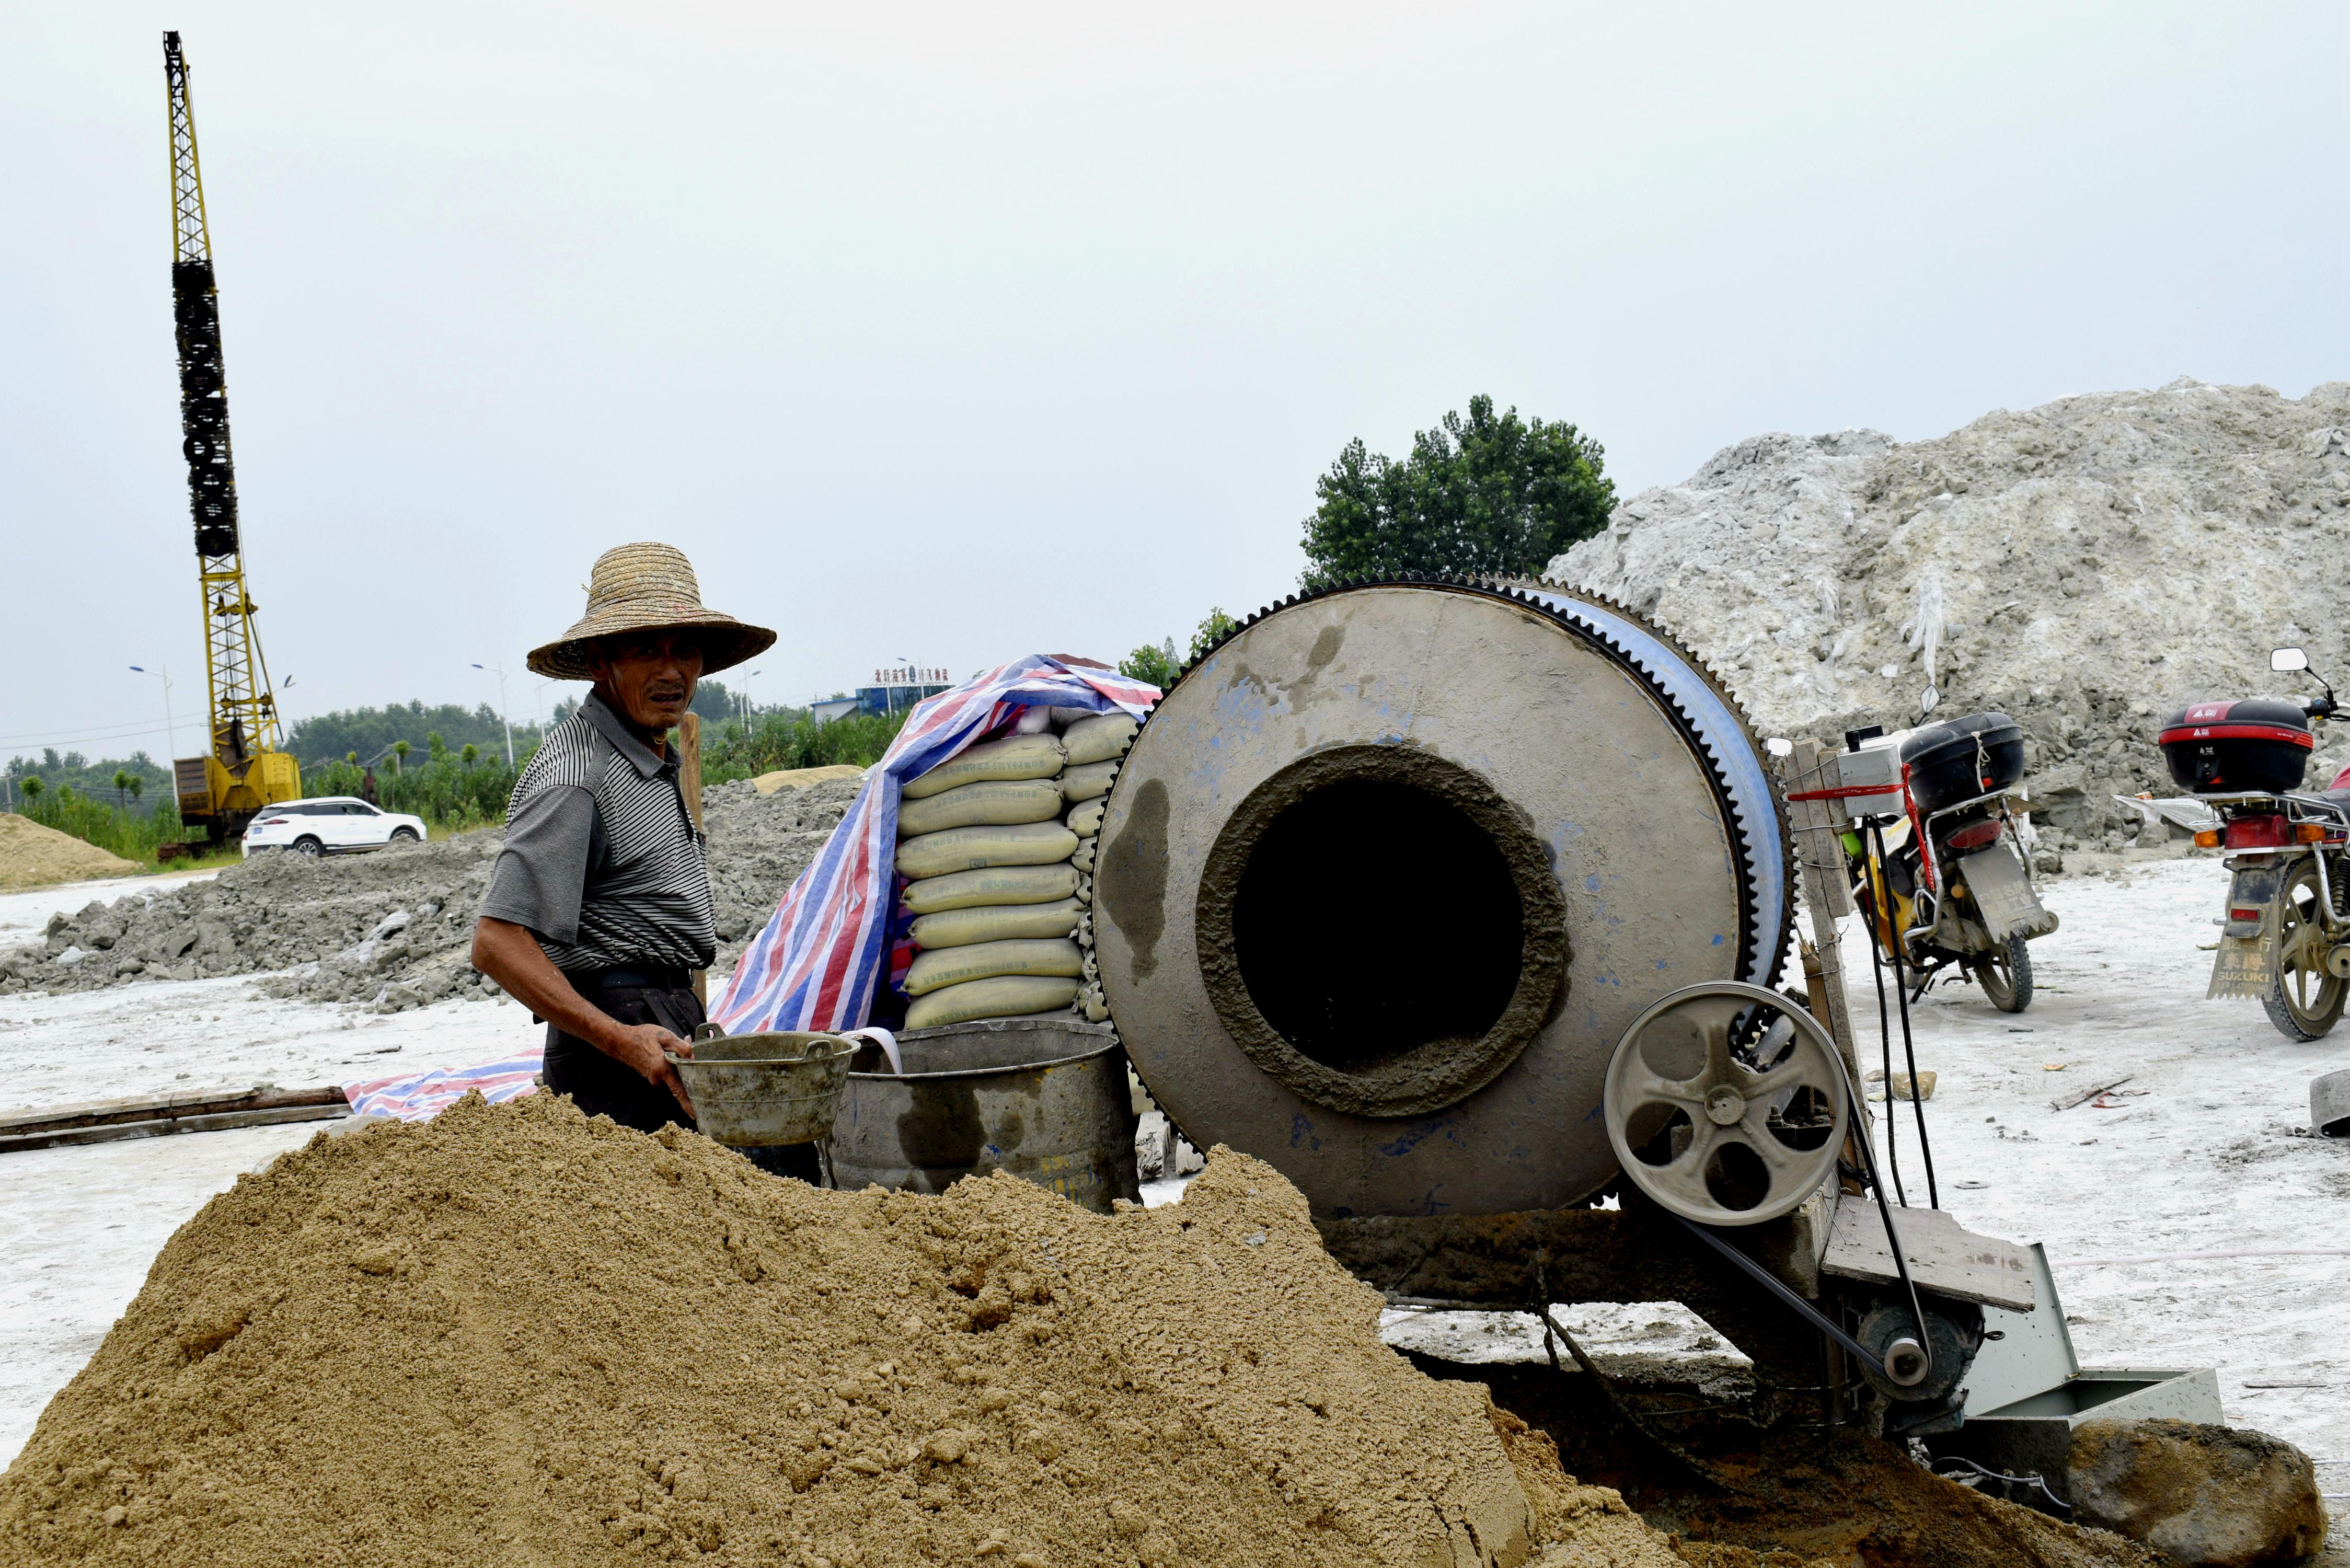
(648, 587)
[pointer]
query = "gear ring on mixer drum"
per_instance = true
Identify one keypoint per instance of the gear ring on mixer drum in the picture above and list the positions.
(1387, 873)
(1726, 1104)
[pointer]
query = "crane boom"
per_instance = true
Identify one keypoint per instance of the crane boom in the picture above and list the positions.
(243, 770)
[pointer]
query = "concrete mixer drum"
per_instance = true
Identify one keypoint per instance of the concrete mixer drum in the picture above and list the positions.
(1388, 873)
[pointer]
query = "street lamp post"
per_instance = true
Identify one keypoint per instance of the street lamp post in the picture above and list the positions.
(499, 670)
(171, 733)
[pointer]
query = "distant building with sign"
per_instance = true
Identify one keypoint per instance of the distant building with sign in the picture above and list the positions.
(891, 690)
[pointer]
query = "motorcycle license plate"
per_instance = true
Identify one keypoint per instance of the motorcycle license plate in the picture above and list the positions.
(2245, 964)
(2248, 897)
(2001, 892)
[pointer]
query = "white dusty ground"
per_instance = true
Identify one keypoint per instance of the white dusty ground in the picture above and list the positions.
(2206, 1150)
(22, 915)
(2211, 1156)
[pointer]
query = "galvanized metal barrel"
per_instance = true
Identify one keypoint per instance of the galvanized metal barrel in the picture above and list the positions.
(1044, 1098)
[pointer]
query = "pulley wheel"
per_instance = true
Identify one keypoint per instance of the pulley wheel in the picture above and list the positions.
(1726, 1104)
(1953, 1330)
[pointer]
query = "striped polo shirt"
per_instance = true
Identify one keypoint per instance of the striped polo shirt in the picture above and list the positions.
(601, 860)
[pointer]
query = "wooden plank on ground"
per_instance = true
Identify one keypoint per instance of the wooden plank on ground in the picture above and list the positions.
(161, 1126)
(152, 1107)
(1943, 1256)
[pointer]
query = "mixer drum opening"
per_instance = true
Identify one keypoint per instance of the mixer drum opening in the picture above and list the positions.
(1355, 961)
(1380, 930)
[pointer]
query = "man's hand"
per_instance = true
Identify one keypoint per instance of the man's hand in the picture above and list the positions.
(510, 955)
(646, 1048)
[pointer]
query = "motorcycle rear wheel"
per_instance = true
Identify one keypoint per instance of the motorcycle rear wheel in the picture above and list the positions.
(2304, 1001)
(2006, 975)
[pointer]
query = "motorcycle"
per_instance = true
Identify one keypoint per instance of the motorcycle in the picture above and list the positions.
(1938, 856)
(2285, 937)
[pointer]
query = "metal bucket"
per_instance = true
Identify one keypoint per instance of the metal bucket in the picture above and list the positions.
(755, 1091)
(1044, 1098)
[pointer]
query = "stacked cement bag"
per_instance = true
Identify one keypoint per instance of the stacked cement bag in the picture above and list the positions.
(999, 886)
(1094, 744)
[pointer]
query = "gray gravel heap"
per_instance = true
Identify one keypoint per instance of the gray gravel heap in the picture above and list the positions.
(2087, 567)
(392, 930)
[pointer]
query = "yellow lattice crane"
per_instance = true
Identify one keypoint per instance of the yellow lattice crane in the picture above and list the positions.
(244, 770)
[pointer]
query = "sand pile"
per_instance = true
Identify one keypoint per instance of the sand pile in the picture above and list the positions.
(515, 1334)
(32, 856)
(2087, 567)
(392, 929)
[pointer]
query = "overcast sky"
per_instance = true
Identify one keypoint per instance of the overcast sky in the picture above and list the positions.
(950, 333)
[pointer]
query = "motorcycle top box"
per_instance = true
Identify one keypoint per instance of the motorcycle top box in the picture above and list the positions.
(1959, 759)
(2229, 748)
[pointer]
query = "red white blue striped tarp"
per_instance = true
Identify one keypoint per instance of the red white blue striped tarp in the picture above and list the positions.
(816, 964)
(419, 1097)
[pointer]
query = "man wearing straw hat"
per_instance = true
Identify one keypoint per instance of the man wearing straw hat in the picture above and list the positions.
(599, 905)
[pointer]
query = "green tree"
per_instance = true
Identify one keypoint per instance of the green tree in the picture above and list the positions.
(470, 756)
(1156, 665)
(33, 787)
(367, 731)
(1486, 496)
(399, 757)
(352, 758)
(124, 785)
(434, 746)
(714, 700)
(1160, 666)
(1214, 628)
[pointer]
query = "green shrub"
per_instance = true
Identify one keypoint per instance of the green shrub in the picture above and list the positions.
(731, 751)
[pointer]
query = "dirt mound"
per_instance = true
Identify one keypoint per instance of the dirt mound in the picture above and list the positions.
(516, 1333)
(800, 778)
(2086, 566)
(393, 928)
(1801, 1497)
(32, 856)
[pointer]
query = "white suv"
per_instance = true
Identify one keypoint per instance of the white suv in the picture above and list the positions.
(335, 825)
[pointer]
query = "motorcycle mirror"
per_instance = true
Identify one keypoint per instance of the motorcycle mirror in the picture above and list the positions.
(2288, 658)
(1931, 700)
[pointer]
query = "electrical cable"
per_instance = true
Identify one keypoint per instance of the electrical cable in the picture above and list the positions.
(1917, 1096)
(2039, 1483)
(1909, 1053)
(1882, 920)
(1892, 1236)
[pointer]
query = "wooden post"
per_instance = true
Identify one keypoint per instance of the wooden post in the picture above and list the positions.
(689, 785)
(1827, 893)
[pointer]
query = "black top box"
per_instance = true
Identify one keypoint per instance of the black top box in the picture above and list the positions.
(1961, 758)
(2229, 748)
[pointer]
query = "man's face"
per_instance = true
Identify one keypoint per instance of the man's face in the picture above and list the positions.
(648, 676)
